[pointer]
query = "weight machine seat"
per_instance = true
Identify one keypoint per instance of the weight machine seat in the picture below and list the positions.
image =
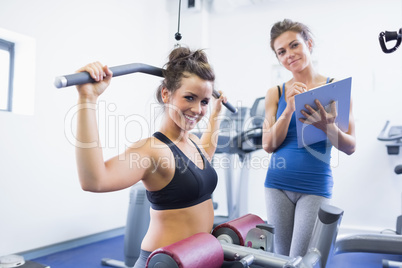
(198, 251)
(238, 228)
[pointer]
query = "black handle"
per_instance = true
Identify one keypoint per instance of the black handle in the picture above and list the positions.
(389, 36)
(84, 77)
(228, 105)
(398, 169)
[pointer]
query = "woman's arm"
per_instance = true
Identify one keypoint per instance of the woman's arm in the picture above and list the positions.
(209, 138)
(94, 173)
(276, 129)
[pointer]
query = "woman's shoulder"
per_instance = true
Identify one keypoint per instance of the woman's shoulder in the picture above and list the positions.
(275, 88)
(274, 93)
(150, 146)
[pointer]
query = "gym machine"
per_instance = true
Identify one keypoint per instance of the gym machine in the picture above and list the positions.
(369, 243)
(247, 242)
(392, 134)
(240, 135)
(395, 132)
(381, 243)
(136, 227)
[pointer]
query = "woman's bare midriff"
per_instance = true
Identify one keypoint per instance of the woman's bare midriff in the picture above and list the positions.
(169, 226)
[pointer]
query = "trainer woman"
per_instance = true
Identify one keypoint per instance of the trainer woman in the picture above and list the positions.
(180, 178)
(295, 190)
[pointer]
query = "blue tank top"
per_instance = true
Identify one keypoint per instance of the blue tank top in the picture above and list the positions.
(303, 170)
(190, 184)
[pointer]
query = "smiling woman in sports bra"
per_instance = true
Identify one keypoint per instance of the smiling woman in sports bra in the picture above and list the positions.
(180, 179)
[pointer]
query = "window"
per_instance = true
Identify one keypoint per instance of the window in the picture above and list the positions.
(17, 73)
(6, 74)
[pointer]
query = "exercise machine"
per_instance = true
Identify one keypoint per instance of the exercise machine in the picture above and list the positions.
(393, 135)
(395, 132)
(371, 243)
(388, 244)
(240, 135)
(247, 242)
(136, 227)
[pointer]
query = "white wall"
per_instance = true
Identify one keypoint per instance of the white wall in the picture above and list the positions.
(41, 202)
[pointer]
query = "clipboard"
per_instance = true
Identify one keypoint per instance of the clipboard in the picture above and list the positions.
(339, 92)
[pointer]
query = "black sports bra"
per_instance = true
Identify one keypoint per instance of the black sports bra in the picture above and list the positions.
(189, 186)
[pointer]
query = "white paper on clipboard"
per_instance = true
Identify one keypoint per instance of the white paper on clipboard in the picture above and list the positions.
(339, 92)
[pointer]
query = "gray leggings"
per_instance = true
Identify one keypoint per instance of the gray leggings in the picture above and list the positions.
(293, 216)
(142, 259)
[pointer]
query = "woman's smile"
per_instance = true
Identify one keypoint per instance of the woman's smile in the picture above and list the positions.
(191, 119)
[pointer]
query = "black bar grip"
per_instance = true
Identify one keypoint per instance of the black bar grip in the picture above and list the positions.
(228, 105)
(389, 36)
(84, 77)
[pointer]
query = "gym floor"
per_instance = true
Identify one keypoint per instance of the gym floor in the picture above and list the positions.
(89, 256)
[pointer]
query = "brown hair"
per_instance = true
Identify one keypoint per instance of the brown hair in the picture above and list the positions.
(288, 25)
(182, 63)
